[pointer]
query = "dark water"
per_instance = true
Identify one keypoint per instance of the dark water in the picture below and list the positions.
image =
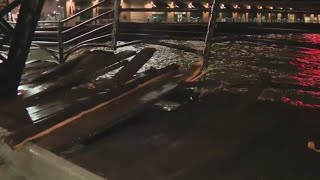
(290, 71)
(251, 118)
(287, 64)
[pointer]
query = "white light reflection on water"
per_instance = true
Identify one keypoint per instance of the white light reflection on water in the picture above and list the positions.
(247, 61)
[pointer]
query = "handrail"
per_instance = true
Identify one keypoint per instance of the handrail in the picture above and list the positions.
(83, 11)
(51, 22)
(163, 9)
(87, 21)
(90, 40)
(46, 32)
(48, 43)
(10, 7)
(88, 33)
(75, 48)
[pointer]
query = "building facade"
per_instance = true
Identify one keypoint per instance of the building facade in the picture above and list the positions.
(190, 11)
(232, 11)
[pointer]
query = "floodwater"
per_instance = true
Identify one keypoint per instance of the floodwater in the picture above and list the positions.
(251, 118)
(288, 64)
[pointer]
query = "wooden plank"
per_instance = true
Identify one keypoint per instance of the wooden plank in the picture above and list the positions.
(116, 17)
(35, 109)
(210, 33)
(101, 58)
(107, 114)
(54, 71)
(115, 110)
(32, 61)
(122, 103)
(128, 71)
(77, 75)
(83, 95)
(47, 112)
(82, 104)
(106, 70)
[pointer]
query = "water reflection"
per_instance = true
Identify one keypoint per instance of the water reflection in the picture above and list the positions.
(250, 59)
(311, 38)
(307, 61)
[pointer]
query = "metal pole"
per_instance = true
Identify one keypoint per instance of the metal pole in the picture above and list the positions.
(60, 41)
(11, 70)
(117, 7)
(210, 33)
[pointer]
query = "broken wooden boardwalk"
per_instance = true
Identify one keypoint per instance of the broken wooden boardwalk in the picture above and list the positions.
(90, 109)
(73, 73)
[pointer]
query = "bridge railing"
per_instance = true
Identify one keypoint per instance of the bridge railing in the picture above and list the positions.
(67, 39)
(81, 34)
(91, 32)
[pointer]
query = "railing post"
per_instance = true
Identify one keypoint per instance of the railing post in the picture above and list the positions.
(116, 10)
(11, 70)
(210, 33)
(60, 41)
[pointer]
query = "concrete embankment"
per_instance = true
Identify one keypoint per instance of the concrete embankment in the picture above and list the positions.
(32, 162)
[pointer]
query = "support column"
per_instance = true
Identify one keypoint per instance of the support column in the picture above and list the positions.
(60, 42)
(116, 9)
(210, 33)
(11, 70)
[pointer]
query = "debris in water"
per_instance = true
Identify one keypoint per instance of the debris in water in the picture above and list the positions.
(168, 105)
(205, 88)
(312, 146)
(74, 148)
(270, 95)
(91, 86)
(236, 91)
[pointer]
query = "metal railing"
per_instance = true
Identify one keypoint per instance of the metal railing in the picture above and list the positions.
(68, 39)
(91, 32)
(81, 35)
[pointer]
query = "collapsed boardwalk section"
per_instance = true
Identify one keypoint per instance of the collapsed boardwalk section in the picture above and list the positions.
(88, 108)
(110, 102)
(92, 108)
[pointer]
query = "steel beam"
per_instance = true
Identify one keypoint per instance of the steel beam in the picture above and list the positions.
(210, 33)
(11, 70)
(117, 7)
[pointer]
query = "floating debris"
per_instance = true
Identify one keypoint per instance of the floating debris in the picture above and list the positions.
(312, 146)
(236, 91)
(269, 95)
(168, 105)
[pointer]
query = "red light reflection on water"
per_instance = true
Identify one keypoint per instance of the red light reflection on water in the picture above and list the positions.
(307, 61)
(299, 103)
(312, 38)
